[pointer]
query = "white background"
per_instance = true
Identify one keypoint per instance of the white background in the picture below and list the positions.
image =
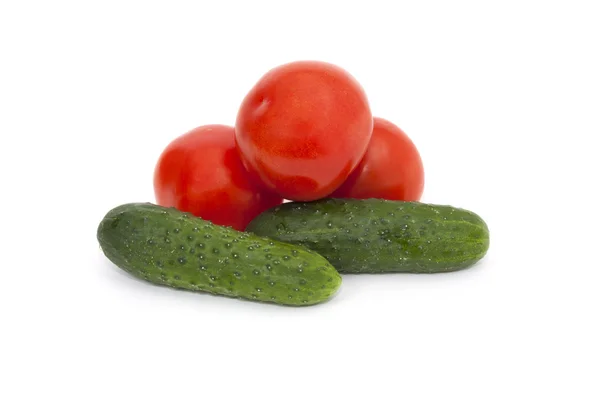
(501, 98)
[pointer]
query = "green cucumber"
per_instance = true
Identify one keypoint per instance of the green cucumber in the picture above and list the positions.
(374, 236)
(172, 248)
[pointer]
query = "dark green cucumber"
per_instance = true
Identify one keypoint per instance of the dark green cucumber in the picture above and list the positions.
(372, 236)
(171, 248)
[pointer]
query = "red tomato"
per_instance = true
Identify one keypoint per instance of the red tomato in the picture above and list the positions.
(303, 128)
(201, 172)
(391, 169)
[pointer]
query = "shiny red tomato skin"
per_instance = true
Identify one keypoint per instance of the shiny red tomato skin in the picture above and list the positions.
(391, 169)
(201, 172)
(303, 128)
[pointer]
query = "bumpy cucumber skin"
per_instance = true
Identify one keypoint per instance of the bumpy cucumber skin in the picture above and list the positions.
(376, 236)
(171, 248)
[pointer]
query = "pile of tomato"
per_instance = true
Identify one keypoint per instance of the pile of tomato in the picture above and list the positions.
(305, 131)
